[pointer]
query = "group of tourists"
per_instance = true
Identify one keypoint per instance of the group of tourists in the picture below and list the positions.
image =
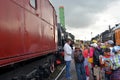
(95, 59)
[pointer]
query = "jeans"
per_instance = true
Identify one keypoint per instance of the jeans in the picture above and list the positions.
(107, 76)
(80, 71)
(68, 75)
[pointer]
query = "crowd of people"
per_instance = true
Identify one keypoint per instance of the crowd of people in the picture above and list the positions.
(96, 59)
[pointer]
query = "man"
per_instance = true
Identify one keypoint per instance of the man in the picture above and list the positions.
(68, 58)
(111, 45)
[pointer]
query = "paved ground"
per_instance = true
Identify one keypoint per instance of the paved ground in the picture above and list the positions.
(73, 73)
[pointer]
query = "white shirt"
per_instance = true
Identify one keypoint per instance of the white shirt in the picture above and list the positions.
(111, 51)
(68, 52)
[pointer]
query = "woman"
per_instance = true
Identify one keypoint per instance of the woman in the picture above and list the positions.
(85, 54)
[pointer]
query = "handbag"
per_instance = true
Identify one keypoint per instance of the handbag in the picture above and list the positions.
(90, 60)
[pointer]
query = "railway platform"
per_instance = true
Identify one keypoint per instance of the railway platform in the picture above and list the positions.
(73, 73)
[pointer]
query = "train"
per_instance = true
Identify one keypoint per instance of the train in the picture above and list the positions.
(63, 35)
(111, 34)
(116, 34)
(28, 30)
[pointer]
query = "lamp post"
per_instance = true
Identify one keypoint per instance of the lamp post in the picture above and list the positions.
(91, 35)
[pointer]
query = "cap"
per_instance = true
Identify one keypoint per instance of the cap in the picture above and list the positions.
(77, 45)
(117, 48)
(94, 45)
(94, 41)
(110, 42)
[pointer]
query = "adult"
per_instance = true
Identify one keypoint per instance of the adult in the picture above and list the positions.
(68, 57)
(110, 44)
(96, 54)
(115, 62)
(82, 44)
(100, 48)
(85, 54)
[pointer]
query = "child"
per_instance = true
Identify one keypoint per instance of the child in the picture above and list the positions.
(105, 61)
(79, 63)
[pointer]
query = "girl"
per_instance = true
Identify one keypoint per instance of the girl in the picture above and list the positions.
(79, 63)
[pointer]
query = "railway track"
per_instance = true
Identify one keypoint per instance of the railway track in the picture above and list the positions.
(57, 73)
(30, 71)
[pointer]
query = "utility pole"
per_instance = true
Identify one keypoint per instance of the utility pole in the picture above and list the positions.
(109, 28)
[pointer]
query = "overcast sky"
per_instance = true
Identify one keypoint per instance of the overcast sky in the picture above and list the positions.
(85, 16)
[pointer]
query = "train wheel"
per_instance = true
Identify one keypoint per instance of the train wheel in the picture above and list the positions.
(52, 67)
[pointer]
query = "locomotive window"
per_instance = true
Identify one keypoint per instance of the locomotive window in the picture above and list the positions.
(33, 3)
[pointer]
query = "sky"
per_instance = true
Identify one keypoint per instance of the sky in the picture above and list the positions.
(83, 17)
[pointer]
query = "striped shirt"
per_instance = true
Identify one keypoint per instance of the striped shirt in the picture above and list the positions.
(115, 61)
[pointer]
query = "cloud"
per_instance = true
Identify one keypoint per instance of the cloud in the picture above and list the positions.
(82, 13)
(86, 16)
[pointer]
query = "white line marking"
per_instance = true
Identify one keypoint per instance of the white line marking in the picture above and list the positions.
(60, 73)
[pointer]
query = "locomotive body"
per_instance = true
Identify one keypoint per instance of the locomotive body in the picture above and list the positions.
(28, 29)
(117, 35)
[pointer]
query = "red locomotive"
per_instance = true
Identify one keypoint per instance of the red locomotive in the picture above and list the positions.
(27, 30)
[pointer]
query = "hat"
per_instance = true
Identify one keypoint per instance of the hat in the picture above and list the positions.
(94, 45)
(94, 41)
(67, 40)
(116, 48)
(110, 42)
(77, 45)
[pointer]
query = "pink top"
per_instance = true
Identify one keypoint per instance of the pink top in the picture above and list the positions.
(91, 52)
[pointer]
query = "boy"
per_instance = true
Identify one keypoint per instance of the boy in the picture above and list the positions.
(105, 61)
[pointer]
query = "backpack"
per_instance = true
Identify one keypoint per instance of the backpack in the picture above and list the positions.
(78, 57)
